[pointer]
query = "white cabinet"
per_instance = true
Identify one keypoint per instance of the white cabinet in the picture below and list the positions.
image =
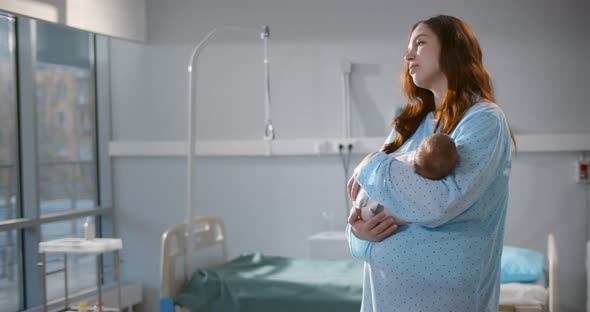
(329, 245)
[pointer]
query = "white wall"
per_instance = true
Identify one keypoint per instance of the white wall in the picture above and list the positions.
(535, 50)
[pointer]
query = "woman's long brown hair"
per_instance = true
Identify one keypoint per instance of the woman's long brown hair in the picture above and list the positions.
(468, 81)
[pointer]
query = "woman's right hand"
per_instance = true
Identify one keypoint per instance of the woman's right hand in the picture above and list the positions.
(375, 229)
(353, 186)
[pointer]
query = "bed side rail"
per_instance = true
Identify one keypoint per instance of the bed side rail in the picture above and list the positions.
(553, 263)
(207, 231)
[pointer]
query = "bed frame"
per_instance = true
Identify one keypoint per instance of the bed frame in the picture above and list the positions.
(207, 232)
(552, 272)
(210, 232)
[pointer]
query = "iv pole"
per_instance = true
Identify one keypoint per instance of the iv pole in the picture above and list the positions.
(269, 134)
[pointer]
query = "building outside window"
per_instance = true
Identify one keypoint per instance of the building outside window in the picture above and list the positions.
(49, 173)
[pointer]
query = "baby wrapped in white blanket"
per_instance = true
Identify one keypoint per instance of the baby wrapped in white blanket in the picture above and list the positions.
(435, 158)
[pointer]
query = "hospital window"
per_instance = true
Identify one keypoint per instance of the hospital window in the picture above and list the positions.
(49, 156)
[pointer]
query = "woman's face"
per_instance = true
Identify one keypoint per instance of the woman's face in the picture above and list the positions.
(423, 57)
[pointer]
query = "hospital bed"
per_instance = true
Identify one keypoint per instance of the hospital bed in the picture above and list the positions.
(541, 296)
(266, 283)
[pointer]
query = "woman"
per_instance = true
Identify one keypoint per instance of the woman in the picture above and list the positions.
(448, 257)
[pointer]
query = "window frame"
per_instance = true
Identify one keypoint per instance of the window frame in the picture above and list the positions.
(29, 219)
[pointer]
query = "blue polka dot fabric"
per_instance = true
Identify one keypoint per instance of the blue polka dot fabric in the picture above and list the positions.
(448, 257)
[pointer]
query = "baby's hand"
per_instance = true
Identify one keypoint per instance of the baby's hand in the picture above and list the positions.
(366, 213)
(377, 209)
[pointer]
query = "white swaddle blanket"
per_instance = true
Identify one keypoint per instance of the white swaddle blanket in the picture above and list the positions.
(369, 207)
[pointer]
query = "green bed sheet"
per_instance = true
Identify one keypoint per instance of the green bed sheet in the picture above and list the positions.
(255, 282)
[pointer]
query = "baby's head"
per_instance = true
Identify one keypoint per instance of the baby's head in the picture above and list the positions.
(436, 157)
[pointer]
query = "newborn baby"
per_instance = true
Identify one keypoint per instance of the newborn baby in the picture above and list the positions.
(435, 158)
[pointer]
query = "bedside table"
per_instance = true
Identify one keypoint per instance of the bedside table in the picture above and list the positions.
(328, 245)
(96, 246)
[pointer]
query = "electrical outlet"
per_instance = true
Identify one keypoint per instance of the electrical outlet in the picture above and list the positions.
(323, 147)
(333, 146)
(345, 144)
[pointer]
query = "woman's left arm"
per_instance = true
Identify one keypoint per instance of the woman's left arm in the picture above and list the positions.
(483, 141)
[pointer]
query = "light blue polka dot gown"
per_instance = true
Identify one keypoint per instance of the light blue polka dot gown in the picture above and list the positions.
(448, 257)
